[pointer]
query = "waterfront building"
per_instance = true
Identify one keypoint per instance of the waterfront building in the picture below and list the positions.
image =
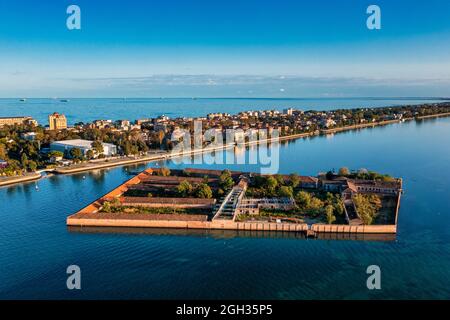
(288, 111)
(11, 121)
(142, 121)
(29, 136)
(57, 121)
(84, 145)
(328, 122)
(123, 124)
(101, 124)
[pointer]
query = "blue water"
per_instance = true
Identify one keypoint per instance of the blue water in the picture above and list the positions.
(84, 110)
(37, 247)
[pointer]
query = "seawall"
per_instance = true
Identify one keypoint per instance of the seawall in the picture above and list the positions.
(230, 225)
(6, 181)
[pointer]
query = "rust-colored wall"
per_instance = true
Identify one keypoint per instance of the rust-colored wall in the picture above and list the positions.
(221, 224)
(343, 228)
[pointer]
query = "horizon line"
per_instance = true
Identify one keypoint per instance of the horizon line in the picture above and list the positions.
(246, 98)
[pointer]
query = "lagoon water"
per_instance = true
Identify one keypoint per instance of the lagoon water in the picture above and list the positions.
(37, 247)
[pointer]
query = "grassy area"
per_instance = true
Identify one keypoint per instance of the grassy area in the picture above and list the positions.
(129, 209)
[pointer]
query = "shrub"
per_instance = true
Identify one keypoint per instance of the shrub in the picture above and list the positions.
(367, 207)
(286, 191)
(106, 207)
(202, 190)
(184, 189)
(329, 214)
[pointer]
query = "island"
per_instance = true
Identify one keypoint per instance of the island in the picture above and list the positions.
(333, 202)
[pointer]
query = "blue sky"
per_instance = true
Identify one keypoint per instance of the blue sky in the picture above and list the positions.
(182, 48)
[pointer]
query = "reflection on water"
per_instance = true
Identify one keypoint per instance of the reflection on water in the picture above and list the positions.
(227, 234)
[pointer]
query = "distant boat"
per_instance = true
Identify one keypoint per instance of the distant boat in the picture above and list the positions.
(23, 100)
(64, 100)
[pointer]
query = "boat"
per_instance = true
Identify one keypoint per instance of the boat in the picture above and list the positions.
(23, 100)
(64, 100)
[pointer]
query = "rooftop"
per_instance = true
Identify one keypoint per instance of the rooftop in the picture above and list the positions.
(77, 143)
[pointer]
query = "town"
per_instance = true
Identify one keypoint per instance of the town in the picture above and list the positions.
(347, 201)
(28, 148)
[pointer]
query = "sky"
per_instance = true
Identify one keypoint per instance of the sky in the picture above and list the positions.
(212, 48)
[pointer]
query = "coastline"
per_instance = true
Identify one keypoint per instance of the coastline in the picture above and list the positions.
(112, 163)
(89, 166)
(32, 176)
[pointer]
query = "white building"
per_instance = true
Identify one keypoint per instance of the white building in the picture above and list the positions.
(84, 145)
(30, 136)
(288, 111)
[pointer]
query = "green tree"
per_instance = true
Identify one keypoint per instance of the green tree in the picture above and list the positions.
(286, 192)
(329, 214)
(280, 179)
(294, 180)
(202, 190)
(90, 154)
(271, 184)
(339, 206)
(76, 153)
(32, 165)
(106, 206)
(315, 204)
(226, 182)
(126, 148)
(24, 160)
(367, 207)
(303, 199)
(116, 202)
(97, 146)
(184, 189)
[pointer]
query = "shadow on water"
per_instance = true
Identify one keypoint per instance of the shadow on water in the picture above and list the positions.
(228, 234)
